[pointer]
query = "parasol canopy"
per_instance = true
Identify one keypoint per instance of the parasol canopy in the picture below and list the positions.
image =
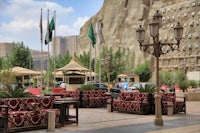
(20, 71)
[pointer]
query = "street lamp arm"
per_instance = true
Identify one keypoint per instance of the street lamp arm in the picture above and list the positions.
(163, 48)
(167, 47)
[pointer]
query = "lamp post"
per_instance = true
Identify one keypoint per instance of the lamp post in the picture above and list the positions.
(156, 49)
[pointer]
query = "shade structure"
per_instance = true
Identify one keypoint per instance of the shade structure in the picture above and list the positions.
(73, 65)
(20, 71)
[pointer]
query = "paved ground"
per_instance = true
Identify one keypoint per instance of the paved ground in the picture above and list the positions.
(98, 120)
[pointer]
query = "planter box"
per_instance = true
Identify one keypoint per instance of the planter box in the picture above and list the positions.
(193, 96)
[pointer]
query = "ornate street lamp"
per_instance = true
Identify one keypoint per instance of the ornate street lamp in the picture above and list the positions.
(156, 49)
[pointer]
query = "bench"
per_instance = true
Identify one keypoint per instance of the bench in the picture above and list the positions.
(19, 114)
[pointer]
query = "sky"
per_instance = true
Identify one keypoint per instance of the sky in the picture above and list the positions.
(19, 19)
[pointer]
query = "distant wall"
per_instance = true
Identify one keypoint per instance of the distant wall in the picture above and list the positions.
(193, 96)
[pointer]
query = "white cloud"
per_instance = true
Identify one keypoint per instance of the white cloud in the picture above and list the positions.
(64, 30)
(18, 26)
(21, 20)
(80, 22)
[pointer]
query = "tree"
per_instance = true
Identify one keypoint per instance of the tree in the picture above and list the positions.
(85, 59)
(144, 71)
(7, 78)
(60, 61)
(116, 63)
(1, 63)
(166, 78)
(20, 56)
(174, 78)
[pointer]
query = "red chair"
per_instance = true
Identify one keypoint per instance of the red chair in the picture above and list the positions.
(34, 91)
(59, 90)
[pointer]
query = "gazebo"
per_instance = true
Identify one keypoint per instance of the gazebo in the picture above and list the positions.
(74, 74)
(22, 72)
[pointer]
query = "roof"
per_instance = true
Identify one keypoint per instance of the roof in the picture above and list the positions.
(127, 75)
(20, 71)
(73, 65)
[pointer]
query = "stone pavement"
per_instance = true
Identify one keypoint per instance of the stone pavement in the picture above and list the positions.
(98, 120)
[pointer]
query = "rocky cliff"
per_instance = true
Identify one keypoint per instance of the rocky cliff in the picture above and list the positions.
(121, 18)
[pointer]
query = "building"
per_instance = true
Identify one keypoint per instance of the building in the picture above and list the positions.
(39, 58)
(5, 49)
(63, 45)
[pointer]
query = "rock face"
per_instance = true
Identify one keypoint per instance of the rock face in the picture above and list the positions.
(121, 18)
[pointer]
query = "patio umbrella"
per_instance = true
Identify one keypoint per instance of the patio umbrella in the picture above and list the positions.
(20, 71)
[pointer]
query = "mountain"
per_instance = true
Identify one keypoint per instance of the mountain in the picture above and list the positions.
(121, 18)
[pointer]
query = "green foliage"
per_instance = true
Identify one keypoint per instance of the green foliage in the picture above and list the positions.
(192, 83)
(178, 77)
(5, 63)
(114, 66)
(150, 88)
(1, 62)
(7, 78)
(166, 78)
(14, 92)
(171, 78)
(174, 78)
(20, 56)
(60, 61)
(87, 87)
(85, 59)
(144, 71)
(183, 85)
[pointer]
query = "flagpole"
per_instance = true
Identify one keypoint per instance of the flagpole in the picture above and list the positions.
(101, 40)
(54, 43)
(90, 61)
(93, 42)
(41, 59)
(100, 63)
(48, 49)
(95, 64)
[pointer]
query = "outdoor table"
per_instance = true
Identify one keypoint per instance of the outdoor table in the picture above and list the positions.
(65, 117)
(66, 99)
(54, 95)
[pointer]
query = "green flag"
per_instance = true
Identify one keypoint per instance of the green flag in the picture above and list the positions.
(91, 36)
(51, 27)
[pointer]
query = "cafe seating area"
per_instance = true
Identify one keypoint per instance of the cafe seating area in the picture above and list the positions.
(133, 102)
(89, 98)
(93, 98)
(178, 103)
(19, 114)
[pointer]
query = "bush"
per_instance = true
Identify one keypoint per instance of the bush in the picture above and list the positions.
(183, 85)
(192, 83)
(87, 87)
(144, 71)
(7, 78)
(11, 92)
(150, 88)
